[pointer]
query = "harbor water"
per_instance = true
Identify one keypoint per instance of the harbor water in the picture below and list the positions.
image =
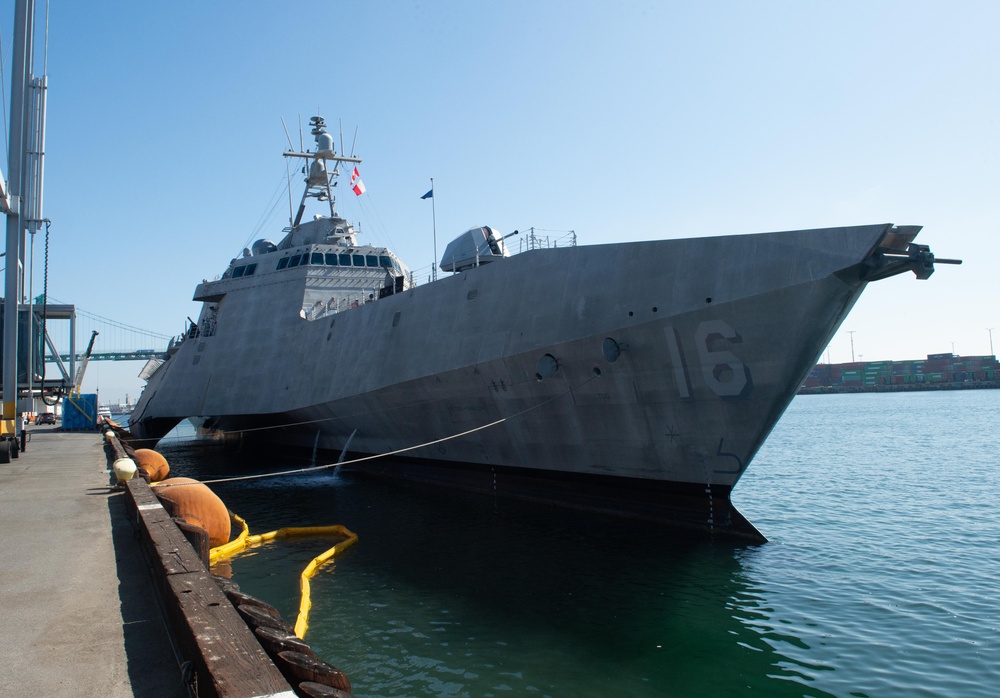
(879, 578)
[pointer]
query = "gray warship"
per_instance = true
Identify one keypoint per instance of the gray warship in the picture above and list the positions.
(637, 378)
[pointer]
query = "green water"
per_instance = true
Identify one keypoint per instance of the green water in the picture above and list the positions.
(880, 577)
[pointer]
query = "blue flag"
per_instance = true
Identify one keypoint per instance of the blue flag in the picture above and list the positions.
(428, 195)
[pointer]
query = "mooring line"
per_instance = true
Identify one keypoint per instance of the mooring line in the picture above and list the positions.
(314, 468)
(307, 422)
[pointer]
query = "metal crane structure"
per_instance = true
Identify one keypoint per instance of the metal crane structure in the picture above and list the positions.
(21, 203)
(78, 380)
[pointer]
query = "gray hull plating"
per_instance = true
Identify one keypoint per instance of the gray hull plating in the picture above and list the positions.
(666, 361)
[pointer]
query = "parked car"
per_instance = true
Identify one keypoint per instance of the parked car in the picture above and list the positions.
(46, 418)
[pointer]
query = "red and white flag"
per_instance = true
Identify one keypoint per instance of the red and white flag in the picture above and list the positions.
(357, 186)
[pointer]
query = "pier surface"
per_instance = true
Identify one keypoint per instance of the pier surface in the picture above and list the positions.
(79, 616)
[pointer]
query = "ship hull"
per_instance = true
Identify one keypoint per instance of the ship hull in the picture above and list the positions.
(649, 373)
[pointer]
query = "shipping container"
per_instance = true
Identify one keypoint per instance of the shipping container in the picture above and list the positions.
(80, 413)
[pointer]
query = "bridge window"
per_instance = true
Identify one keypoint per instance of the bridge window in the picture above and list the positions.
(359, 260)
(283, 262)
(345, 260)
(384, 262)
(317, 258)
(371, 260)
(238, 272)
(251, 268)
(331, 259)
(294, 260)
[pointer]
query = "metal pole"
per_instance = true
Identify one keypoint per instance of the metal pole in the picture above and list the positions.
(435, 228)
(23, 26)
(28, 183)
(990, 330)
(72, 345)
(41, 88)
(33, 205)
(31, 326)
(851, 332)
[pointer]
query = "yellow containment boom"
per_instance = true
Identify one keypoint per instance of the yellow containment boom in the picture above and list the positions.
(244, 540)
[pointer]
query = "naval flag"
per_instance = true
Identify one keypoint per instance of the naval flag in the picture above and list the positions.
(357, 186)
(428, 195)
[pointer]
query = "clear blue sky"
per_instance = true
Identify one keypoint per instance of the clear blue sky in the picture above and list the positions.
(621, 121)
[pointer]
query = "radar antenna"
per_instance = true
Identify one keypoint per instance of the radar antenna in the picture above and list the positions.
(319, 179)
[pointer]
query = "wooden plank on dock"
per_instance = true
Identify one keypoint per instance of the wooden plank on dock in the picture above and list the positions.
(160, 534)
(228, 660)
(228, 651)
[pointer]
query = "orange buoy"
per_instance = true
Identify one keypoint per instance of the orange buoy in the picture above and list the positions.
(152, 463)
(197, 505)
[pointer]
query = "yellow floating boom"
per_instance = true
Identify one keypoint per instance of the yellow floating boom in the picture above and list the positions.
(244, 540)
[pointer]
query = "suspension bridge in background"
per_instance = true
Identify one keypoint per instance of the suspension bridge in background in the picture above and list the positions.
(116, 341)
(56, 342)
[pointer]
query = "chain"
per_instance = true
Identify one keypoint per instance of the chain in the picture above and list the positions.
(45, 314)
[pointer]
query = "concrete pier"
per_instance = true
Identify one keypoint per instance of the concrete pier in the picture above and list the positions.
(78, 611)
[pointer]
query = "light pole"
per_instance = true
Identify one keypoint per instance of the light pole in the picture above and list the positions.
(851, 332)
(990, 330)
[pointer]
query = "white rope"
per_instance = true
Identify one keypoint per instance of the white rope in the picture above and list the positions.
(307, 422)
(314, 468)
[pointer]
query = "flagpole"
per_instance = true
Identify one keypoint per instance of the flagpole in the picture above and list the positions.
(434, 273)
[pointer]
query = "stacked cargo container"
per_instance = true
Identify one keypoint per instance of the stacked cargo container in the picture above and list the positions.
(936, 370)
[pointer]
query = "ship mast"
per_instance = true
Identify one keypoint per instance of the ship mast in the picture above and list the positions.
(318, 181)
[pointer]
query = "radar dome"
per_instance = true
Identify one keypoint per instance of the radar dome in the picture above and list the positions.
(263, 247)
(324, 142)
